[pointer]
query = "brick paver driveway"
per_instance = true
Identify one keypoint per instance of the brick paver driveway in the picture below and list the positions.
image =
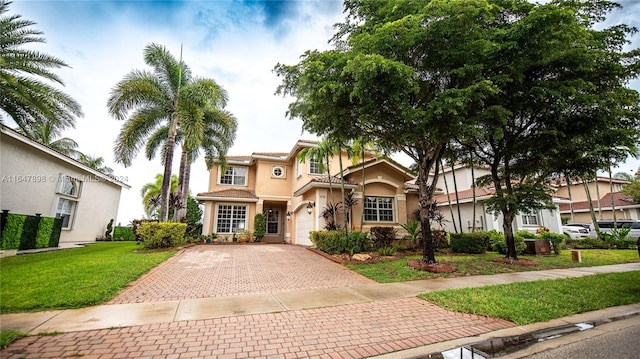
(225, 270)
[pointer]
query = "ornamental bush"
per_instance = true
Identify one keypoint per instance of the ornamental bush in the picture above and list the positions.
(12, 231)
(121, 233)
(556, 239)
(382, 236)
(337, 242)
(473, 243)
(500, 244)
(156, 235)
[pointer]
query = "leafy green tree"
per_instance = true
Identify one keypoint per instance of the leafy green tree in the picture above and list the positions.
(194, 212)
(169, 96)
(48, 133)
(401, 73)
(27, 98)
(562, 105)
(633, 189)
(151, 192)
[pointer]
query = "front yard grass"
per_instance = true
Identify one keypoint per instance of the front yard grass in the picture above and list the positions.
(72, 278)
(543, 300)
(399, 271)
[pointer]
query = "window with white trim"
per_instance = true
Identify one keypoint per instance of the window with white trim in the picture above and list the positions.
(69, 190)
(378, 209)
(235, 176)
(231, 218)
(530, 220)
(315, 166)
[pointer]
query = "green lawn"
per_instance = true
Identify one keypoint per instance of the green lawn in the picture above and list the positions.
(540, 301)
(72, 278)
(399, 271)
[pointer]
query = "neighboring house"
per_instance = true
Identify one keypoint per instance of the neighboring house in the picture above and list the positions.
(603, 199)
(293, 194)
(484, 220)
(39, 180)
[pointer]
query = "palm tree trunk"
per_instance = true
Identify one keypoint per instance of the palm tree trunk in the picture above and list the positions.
(177, 214)
(573, 214)
(363, 195)
(613, 205)
(446, 187)
(344, 208)
(598, 194)
(166, 179)
(593, 213)
(455, 188)
(473, 190)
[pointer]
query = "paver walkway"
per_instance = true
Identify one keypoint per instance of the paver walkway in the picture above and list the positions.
(303, 315)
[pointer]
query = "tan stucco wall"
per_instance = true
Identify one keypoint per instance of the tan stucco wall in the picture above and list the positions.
(97, 204)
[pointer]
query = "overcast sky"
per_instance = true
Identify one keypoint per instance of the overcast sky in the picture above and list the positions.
(237, 43)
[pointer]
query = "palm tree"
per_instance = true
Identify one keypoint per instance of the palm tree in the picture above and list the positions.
(97, 163)
(47, 133)
(323, 152)
(25, 97)
(167, 96)
(151, 192)
(219, 135)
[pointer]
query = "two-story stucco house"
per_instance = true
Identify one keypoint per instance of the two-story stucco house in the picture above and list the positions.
(39, 180)
(293, 193)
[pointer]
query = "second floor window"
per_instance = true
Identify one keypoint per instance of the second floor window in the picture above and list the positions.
(236, 176)
(378, 209)
(315, 166)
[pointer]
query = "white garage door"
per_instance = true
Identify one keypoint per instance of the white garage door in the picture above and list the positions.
(304, 224)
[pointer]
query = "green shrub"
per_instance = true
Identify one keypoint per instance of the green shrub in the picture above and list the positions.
(525, 234)
(500, 244)
(494, 236)
(440, 238)
(54, 240)
(336, 242)
(588, 243)
(43, 237)
(387, 251)
(121, 233)
(259, 226)
(161, 235)
(626, 243)
(382, 236)
(556, 240)
(13, 231)
(473, 243)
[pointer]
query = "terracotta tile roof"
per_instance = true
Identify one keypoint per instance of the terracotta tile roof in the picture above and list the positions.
(238, 158)
(619, 200)
(332, 179)
(465, 194)
(412, 186)
(272, 154)
(230, 193)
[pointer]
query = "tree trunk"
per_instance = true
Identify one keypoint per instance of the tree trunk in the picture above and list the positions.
(573, 214)
(591, 210)
(446, 186)
(344, 208)
(455, 188)
(507, 227)
(177, 214)
(363, 195)
(473, 190)
(613, 205)
(166, 179)
(598, 194)
(426, 199)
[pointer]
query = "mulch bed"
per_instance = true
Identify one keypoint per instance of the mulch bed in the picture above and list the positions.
(520, 262)
(346, 258)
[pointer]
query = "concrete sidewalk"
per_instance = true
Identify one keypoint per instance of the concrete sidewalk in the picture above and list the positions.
(132, 314)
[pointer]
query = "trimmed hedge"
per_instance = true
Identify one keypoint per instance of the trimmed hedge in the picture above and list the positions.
(500, 244)
(121, 233)
(337, 242)
(156, 235)
(473, 243)
(29, 232)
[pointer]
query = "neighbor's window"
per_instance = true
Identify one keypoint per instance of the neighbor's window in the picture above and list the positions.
(230, 218)
(378, 209)
(529, 220)
(236, 176)
(314, 166)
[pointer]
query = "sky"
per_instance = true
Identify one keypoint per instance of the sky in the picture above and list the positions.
(237, 43)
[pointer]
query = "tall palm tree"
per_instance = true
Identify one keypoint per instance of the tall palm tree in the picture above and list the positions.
(323, 152)
(27, 98)
(219, 135)
(95, 162)
(151, 192)
(48, 133)
(150, 100)
(359, 148)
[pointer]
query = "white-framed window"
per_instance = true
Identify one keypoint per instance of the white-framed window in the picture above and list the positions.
(69, 186)
(530, 220)
(378, 209)
(231, 218)
(273, 222)
(235, 176)
(66, 209)
(315, 166)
